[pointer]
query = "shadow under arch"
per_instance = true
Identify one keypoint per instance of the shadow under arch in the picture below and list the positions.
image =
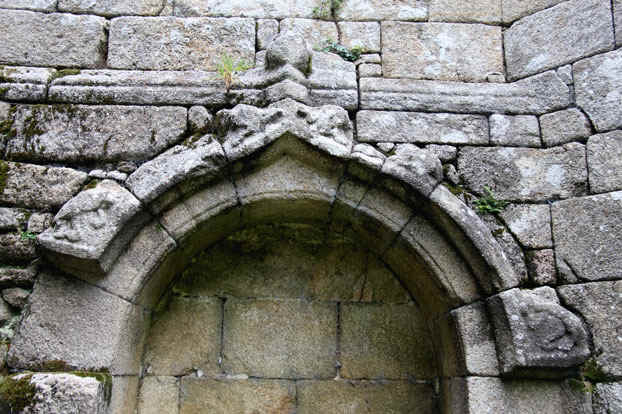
(435, 244)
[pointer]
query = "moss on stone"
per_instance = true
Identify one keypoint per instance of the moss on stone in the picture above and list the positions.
(91, 184)
(64, 72)
(4, 175)
(17, 393)
(3, 92)
(103, 377)
(6, 128)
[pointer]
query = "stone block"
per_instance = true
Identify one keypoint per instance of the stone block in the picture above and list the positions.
(478, 11)
(586, 232)
(245, 8)
(199, 119)
(17, 276)
(365, 397)
(385, 342)
(16, 297)
(541, 267)
(508, 244)
(158, 395)
(556, 36)
(530, 223)
(83, 133)
(25, 84)
(369, 70)
(35, 186)
(39, 222)
(365, 35)
(237, 396)
(11, 218)
(267, 29)
(535, 335)
(38, 39)
(539, 94)
(617, 20)
(280, 339)
(314, 32)
(15, 249)
(170, 43)
(604, 160)
(111, 8)
(414, 166)
(412, 10)
(123, 395)
(599, 303)
(525, 174)
(564, 126)
(515, 9)
(37, 5)
(514, 131)
(79, 326)
(608, 398)
(445, 153)
(437, 51)
(416, 127)
(185, 337)
(598, 89)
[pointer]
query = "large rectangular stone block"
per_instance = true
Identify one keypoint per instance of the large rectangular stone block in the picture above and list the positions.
(481, 11)
(559, 35)
(56, 39)
(365, 397)
(587, 237)
(179, 44)
(599, 90)
(315, 32)
(385, 341)
(525, 174)
(24, 84)
(515, 9)
(85, 133)
(280, 339)
(413, 10)
(113, 7)
(604, 159)
(417, 127)
(442, 51)
(246, 8)
(39, 5)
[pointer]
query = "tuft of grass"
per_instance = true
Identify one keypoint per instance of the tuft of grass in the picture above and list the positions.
(488, 204)
(228, 68)
(350, 55)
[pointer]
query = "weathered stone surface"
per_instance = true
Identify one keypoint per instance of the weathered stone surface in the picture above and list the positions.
(38, 5)
(26, 84)
(39, 222)
(67, 393)
(514, 131)
(617, 20)
(509, 245)
(92, 229)
(246, 8)
(199, 119)
(267, 29)
(604, 160)
(556, 36)
(280, 339)
(11, 218)
(185, 337)
(123, 394)
(445, 153)
(608, 398)
(39, 39)
(86, 133)
(315, 32)
(524, 174)
(536, 95)
(380, 126)
(15, 249)
(481, 11)
(385, 341)
(586, 232)
(598, 89)
(541, 266)
(437, 51)
(364, 397)
(16, 297)
(37, 186)
(564, 126)
(237, 396)
(365, 35)
(599, 303)
(419, 168)
(79, 324)
(179, 44)
(158, 395)
(515, 9)
(5, 315)
(290, 47)
(369, 70)
(530, 223)
(112, 7)
(200, 159)
(17, 276)
(415, 10)
(536, 335)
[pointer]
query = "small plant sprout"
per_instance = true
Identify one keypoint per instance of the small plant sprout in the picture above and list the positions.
(350, 55)
(228, 68)
(26, 235)
(488, 204)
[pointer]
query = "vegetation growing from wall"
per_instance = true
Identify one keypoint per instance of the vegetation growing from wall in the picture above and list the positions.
(350, 55)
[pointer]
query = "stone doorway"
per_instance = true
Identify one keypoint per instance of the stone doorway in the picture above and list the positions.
(288, 318)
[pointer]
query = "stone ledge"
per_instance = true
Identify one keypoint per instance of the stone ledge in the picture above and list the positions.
(26, 84)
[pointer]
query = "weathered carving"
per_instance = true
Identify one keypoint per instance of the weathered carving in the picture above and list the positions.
(535, 334)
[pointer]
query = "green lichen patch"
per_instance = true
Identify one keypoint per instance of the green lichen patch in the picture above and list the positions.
(103, 377)
(4, 175)
(64, 72)
(17, 393)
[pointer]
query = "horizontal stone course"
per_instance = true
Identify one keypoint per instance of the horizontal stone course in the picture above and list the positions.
(38, 5)
(413, 127)
(481, 11)
(113, 7)
(179, 44)
(441, 51)
(562, 34)
(412, 10)
(56, 39)
(245, 8)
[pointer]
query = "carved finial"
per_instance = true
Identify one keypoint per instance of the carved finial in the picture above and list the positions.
(289, 47)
